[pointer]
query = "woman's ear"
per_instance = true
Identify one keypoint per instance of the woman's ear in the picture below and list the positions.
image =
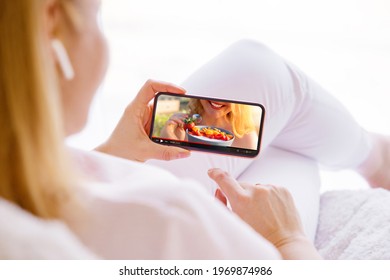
(54, 26)
(52, 18)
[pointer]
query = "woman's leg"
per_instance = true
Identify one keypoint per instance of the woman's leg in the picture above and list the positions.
(300, 116)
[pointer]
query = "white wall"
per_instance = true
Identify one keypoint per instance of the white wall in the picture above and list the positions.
(343, 44)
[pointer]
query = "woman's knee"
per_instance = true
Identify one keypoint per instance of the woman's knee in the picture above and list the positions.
(248, 70)
(259, 61)
(248, 44)
(262, 68)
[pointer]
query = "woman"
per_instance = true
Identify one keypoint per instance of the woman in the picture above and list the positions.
(229, 116)
(53, 57)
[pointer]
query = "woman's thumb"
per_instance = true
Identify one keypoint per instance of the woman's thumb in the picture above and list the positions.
(170, 153)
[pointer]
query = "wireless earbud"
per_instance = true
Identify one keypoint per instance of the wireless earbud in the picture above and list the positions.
(63, 59)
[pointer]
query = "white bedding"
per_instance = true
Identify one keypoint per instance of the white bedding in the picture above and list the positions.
(354, 225)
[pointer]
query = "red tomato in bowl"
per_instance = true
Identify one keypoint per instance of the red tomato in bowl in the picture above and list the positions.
(189, 126)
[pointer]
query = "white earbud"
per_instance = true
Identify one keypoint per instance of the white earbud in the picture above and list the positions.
(63, 59)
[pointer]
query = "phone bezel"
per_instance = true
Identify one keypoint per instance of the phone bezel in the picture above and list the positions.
(233, 151)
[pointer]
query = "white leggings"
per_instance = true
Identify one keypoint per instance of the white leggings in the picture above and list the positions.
(304, 126)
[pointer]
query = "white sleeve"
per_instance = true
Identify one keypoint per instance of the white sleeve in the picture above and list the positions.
(202, 228)
(144, 212)
(174, 220)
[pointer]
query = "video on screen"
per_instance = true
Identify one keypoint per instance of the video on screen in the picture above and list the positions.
(207, 122)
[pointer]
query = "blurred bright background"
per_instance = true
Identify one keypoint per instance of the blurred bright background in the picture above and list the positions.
(342, 44)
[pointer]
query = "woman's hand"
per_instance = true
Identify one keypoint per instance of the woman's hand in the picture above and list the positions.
(270, 211)
(174, 127)
(130, 139)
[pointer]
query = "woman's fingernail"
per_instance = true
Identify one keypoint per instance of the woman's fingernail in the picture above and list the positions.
(183, 155)
(183, 89)
(211, 170)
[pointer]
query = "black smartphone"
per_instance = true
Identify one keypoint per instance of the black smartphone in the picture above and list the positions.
(207, 124)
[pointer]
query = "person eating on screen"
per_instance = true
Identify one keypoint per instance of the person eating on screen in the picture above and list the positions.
(237, 118)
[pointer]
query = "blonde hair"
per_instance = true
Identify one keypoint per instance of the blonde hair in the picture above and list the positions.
(240, 117)
(34, 169)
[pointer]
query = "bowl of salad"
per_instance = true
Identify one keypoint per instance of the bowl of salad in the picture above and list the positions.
(210, 135)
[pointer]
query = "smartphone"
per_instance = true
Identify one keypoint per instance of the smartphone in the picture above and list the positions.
(207, 124)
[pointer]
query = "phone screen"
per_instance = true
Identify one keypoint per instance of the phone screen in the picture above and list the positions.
(207, 124)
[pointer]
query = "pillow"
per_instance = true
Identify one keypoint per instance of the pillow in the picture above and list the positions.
(24, 236)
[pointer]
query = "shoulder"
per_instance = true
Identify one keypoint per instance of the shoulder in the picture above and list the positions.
(29, 237)
(249, 140)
